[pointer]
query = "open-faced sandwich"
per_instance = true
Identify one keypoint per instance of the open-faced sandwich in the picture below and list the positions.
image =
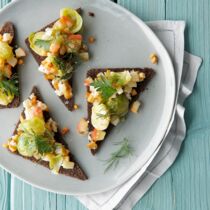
(38, 139)
(10, 57)
(58, 48)
(110, 95)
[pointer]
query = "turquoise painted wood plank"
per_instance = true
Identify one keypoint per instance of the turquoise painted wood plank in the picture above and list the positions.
(196, 14)
(4, 190)
(73, 203)
(145, 9)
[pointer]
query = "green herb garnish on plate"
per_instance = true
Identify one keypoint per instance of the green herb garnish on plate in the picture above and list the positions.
(124, 151)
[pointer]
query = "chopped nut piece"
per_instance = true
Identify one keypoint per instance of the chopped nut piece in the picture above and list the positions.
(76, 107)
(141, 76)
(49, 77)
(133, 92)
(20, 61)
(82, 127)
(91, 14)
(154, 58)
(92, 145)
(64, 131)
(135, 106)
(91, 39)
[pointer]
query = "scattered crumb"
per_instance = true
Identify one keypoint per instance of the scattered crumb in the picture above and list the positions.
(135, 106)
(76, 107)
(20, 61)
(133, 92)
(64, 131)
(91, 14)
(153, 58)
(82, 127)
(91, 39)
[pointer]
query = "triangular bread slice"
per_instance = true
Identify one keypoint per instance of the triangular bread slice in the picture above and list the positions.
(76, 172)
(8, 27)
(69, 103)
(141, 86)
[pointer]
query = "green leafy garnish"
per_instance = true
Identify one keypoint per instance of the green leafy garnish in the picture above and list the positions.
(124, 151)
(104, 86)
(43, 144)
(44, 44)
(9, 86)
(64, 64)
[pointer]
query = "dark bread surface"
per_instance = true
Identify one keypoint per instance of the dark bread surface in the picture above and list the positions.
(76, 172)
(69, 103)
(8, 27)
(149, 73)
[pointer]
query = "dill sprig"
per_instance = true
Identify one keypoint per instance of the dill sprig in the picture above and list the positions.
(9, 86)
(124, 151)
(104, 86)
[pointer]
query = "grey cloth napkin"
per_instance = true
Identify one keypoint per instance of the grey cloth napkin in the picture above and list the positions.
(186, 66)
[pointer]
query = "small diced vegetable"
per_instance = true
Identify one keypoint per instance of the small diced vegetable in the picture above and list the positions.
(82, 127)
(19, 52)
(135, 106)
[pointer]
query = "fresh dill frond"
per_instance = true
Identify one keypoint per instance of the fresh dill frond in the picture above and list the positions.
(10, 86)
(104, 86)
(124, 151)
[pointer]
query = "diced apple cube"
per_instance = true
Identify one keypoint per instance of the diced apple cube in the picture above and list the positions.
(135, 106)
(19, 52)
(82, 127)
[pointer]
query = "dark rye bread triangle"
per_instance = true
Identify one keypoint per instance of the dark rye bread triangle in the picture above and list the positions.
(76, 172)
(149, 73)
(68, 103)
(8, 27)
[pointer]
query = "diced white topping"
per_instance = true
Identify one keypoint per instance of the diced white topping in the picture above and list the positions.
(27, 103)
(68, 164)
(61, 88)
(52, 124)
(32, 96)
(43, 69)
(135, 76)
(100, 118)
(119, 90)
(32, 110)
(7, 38)
(20, 53)
(48, 32)
(93, 91)
(12, 61)
(41, 105)
(132, 84)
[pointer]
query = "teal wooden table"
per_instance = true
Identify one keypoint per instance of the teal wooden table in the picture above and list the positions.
(186, 185)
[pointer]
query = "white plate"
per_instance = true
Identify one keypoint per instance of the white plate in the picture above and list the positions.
(123, 40)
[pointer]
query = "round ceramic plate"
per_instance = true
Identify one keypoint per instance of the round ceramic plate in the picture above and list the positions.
(122, 40)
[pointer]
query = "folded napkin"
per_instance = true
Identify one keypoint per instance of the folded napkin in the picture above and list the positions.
(186, 66)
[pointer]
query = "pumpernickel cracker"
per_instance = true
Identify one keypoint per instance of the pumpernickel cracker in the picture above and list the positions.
(149, 73)
(76, 172)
